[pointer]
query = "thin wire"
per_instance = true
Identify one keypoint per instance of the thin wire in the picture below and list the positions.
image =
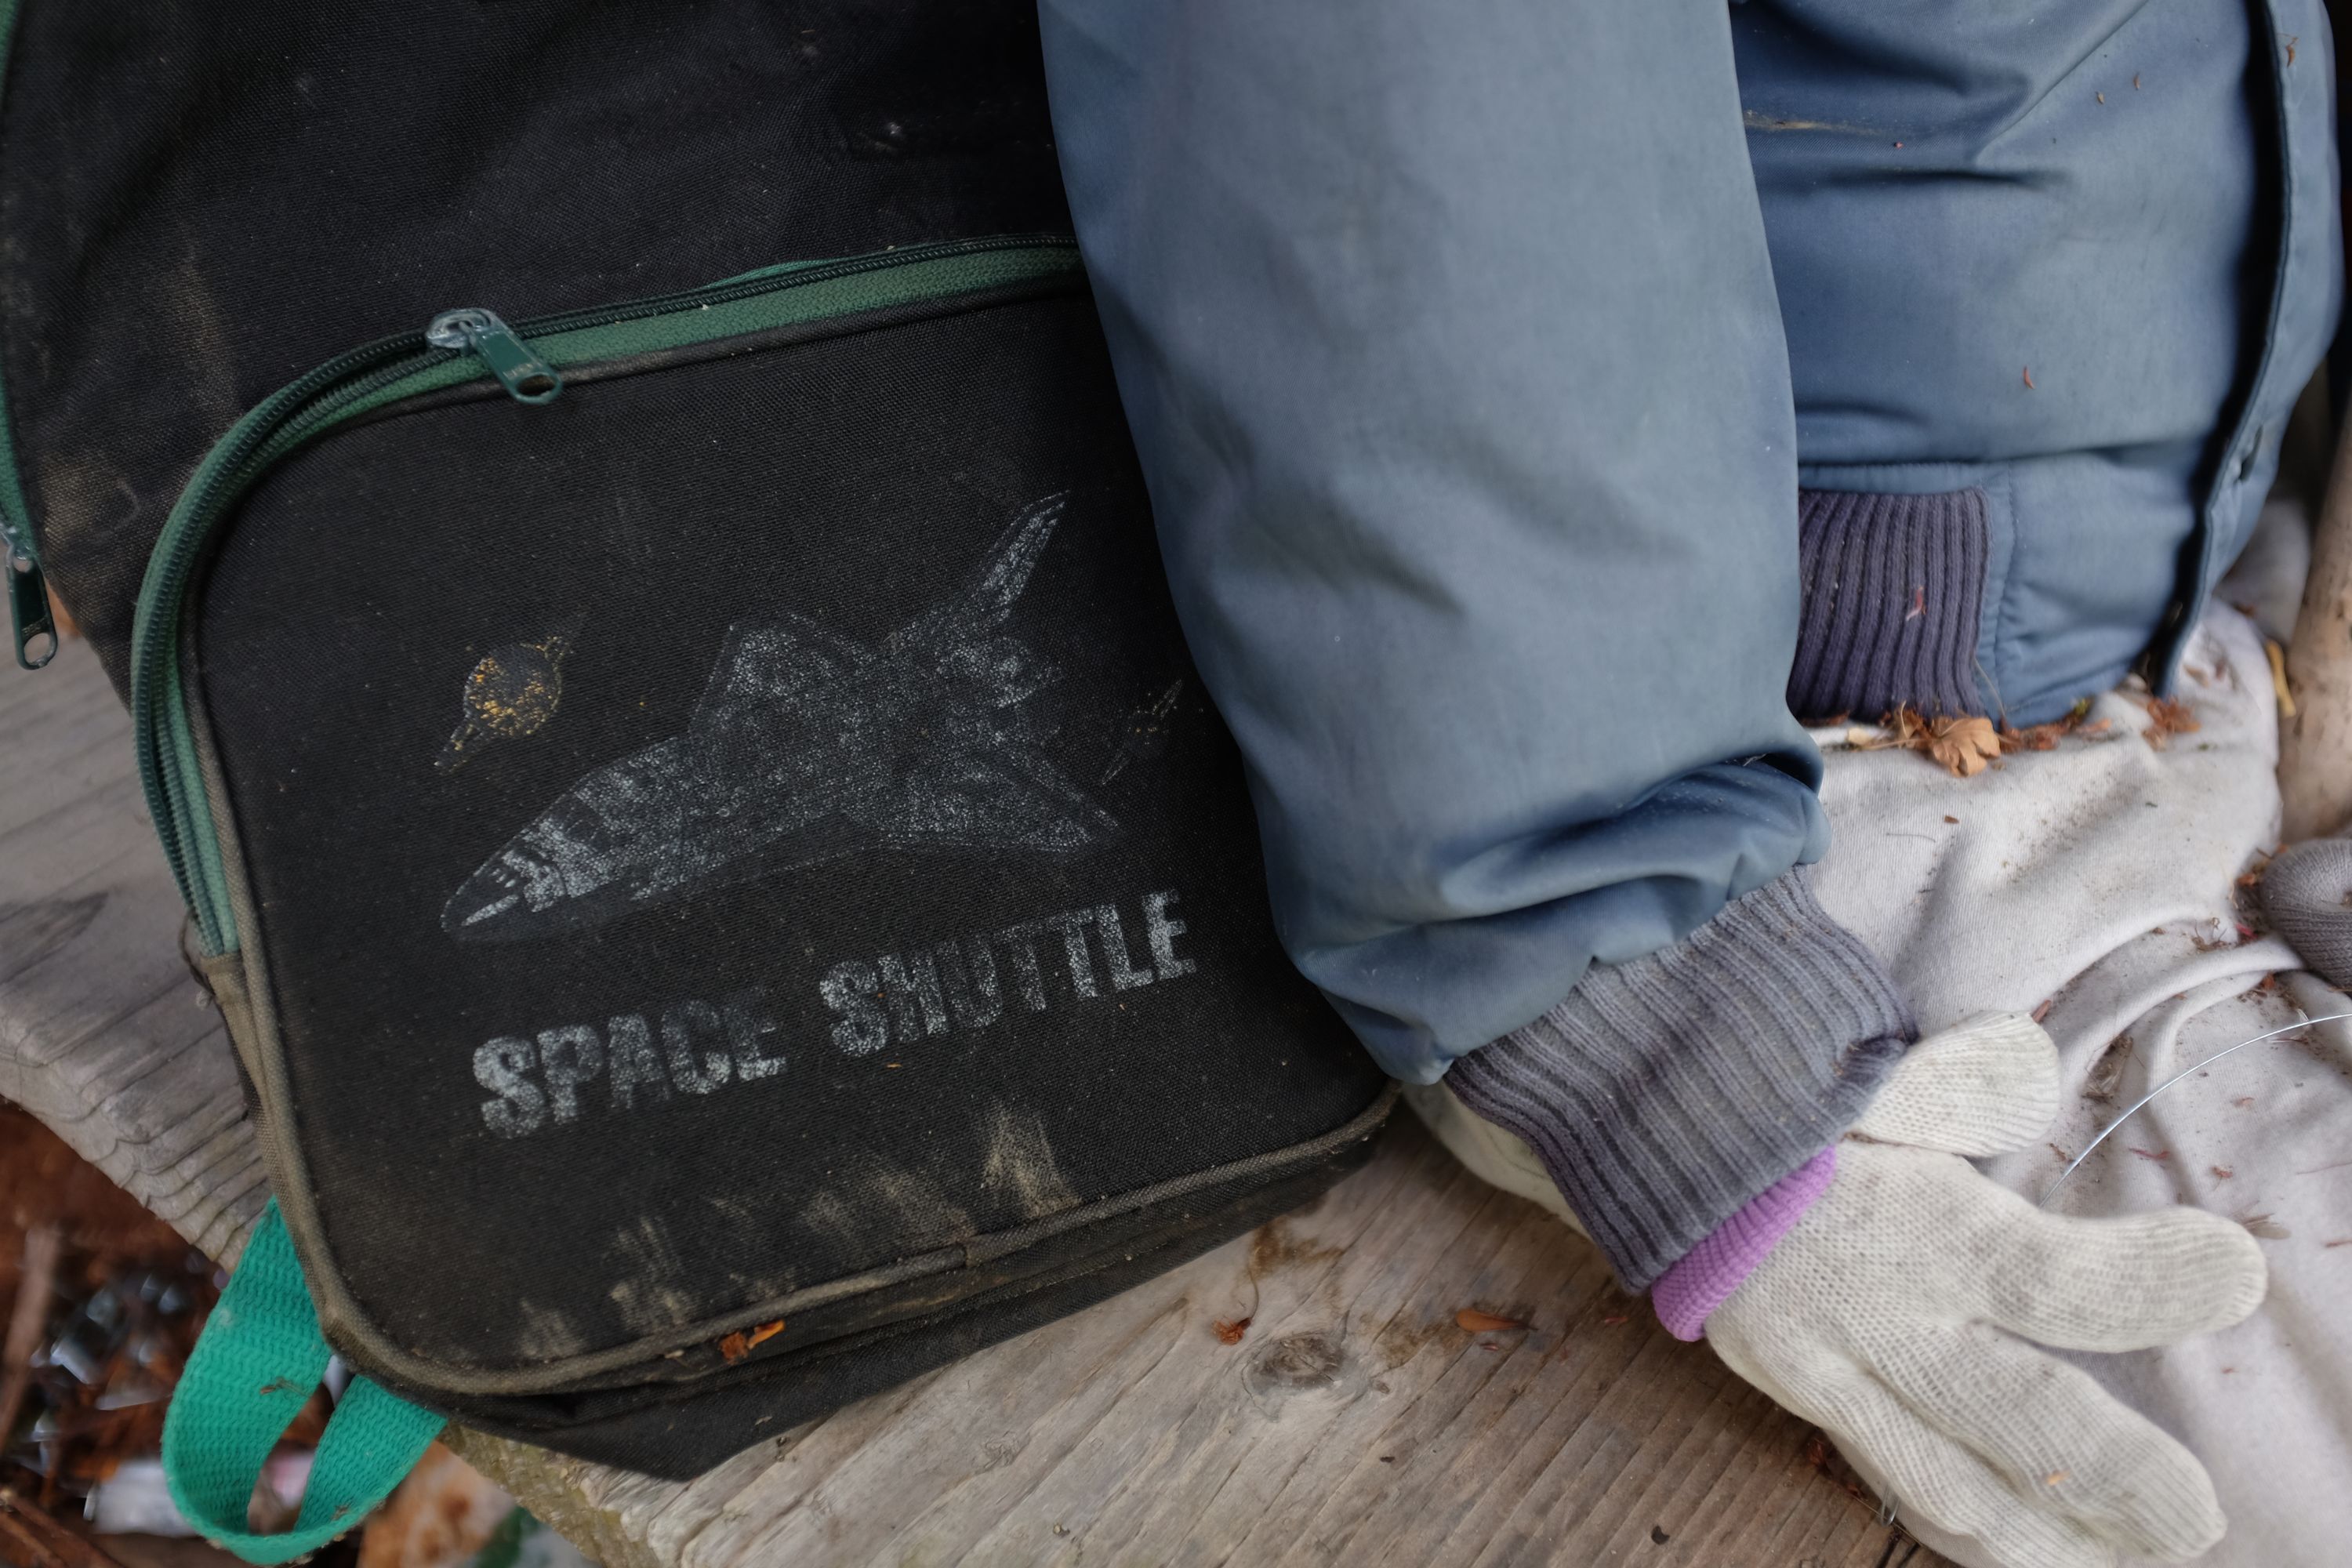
(2093, 1144)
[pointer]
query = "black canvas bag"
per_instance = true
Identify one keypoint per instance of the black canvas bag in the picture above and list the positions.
(724, 885)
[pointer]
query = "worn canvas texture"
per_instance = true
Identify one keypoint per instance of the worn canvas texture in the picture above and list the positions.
(738, 825)
(202, 202)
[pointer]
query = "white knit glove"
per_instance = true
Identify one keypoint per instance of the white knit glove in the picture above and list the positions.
(1901, 1314)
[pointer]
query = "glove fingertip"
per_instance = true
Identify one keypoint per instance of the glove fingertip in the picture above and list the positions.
(2224, 1258)
(2253, 1281)
(2215, 1266)
(2190, 1526)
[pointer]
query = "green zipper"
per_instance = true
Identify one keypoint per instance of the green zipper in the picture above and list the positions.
(20, 553)
(528, 360)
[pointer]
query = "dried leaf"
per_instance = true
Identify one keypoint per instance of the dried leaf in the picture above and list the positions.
(1619, 1318)
(2220, 943)
(1479, 1322)
(2221, 1172)
(1964, 745)
(2158, 1155)
(1229, 1331)
(2168, 718)
(2045, 737)
(742, 1343)
(2043, 1011)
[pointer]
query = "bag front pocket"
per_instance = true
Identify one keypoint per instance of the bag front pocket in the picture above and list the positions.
(715, 813)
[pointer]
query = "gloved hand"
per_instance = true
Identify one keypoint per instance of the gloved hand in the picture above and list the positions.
(1902, 1311)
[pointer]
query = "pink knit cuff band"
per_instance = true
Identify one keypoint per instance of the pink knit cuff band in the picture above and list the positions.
(1686, 1293)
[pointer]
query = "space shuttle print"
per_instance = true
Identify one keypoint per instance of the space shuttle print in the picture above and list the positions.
(806, 746)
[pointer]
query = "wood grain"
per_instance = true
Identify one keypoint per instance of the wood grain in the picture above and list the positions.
(2315, 745)
(1354, 1420)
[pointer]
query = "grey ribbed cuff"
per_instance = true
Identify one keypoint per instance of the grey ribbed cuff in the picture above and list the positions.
(1665, 1094)
(1894, 590)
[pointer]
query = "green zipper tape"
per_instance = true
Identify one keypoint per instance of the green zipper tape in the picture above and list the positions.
(372, 378)
(20, 553)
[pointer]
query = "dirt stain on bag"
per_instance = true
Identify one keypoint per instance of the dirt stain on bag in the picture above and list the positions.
(648, 1297)
(1020, 1165)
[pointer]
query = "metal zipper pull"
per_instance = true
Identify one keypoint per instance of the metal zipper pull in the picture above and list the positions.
(28, 602)
(527, 377)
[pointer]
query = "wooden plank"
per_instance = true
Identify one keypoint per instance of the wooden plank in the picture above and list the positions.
(1353, 1422)
(103, 1034)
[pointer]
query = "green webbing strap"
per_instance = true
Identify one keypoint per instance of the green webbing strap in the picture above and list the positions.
(259, 1357)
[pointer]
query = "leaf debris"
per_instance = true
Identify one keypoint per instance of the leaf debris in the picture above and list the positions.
(1479, 1322)
(743, 1342)
(1962, 746)
(2167, 717)
(2045, 737)
(1229, 1331)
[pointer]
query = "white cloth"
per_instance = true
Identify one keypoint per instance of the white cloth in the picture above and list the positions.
(2103, 874)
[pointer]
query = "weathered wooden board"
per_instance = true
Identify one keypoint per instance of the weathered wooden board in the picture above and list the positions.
(104, 1035)
(1353, 1421)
